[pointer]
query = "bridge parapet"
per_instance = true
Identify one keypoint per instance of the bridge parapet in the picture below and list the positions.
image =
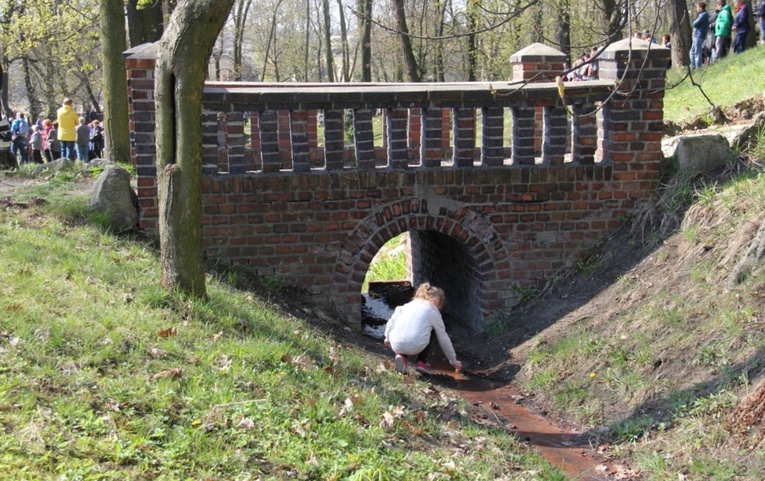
(499, 184)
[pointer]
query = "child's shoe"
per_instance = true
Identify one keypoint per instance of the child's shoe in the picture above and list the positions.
(423, 367)
(400, 363)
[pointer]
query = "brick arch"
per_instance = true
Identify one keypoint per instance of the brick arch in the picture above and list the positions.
(471, 233)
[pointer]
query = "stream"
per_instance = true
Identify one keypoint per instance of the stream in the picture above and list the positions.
(502, 403)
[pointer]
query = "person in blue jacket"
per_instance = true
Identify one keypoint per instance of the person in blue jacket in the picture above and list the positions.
(700, 29)
(761, 14)
(741, 26)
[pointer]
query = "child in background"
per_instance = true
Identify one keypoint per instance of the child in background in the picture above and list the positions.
(36, 144)
(409, 329)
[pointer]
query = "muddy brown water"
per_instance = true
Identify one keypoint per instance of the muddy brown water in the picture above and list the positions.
(499, 401)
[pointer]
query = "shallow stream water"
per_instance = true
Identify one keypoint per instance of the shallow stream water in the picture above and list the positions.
(502, 403)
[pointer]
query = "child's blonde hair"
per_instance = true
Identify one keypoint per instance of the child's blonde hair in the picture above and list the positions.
(431, 293)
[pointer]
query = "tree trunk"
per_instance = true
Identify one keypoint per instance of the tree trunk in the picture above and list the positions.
(410, 62)
(328, 41)
(346, 55)
(563, 28)
(240, 19)
(145, 24)
(116, 121)
(612, 16)
(680, 32)
(35, 106)
(181, 68)
(365, 6)
(472, 48)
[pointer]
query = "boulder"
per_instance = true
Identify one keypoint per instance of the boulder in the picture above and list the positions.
(697, 154)
(54, 166)
(749, 135)
(113, 196)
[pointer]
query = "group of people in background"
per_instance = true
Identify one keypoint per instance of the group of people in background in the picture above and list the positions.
(69, 136)
(585, 67)
(713, 32)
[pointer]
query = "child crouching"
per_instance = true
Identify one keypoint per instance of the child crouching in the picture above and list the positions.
(409, 329)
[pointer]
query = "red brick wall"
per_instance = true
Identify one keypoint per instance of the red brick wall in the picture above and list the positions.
(511, 223)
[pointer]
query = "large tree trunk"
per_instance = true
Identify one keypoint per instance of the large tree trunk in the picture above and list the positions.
(181, 68)
(613, 18)
(145, 24)
(410, 62)
(116, 121)
(680, 32)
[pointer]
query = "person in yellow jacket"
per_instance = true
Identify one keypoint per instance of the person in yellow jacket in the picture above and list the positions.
(67, 128)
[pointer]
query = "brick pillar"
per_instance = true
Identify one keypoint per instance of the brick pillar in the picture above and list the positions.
(396, 132)
(431, 149)
(584, 134)
(334, 139)
(235, 142)
(539, 63)
(364, 138)
(139, 64)
(492, 148)
(631, 125)
(464, 137)
(300, 146)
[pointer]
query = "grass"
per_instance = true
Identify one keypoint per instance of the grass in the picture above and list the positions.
(685, 101)
(389, 264)
(677, 352)
(104, 375)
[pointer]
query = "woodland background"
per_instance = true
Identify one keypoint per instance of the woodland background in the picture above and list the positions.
(50, 49)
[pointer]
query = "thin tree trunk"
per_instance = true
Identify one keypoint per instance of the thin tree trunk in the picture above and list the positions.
(346, 50)
(307, 45)
(240, 19)
(365, 6)
(410, 62)
(328, 41)
(116, 121)
(181, 68)
(472, 50)
(563, 28)
(271, 39)
(34, 104)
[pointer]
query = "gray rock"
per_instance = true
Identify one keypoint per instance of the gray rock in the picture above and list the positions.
(748, 135)
(54, 166)
(696, 154)
(113, 195)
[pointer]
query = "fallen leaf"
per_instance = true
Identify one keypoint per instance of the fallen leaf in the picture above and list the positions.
(174, 373)
(217, 336)
(157, 353)
(14, 308)
(285, 358)
(246, 423)
(387, 422)
(172, 331)
(222, 362)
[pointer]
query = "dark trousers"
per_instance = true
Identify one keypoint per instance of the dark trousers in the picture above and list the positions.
(739, 43)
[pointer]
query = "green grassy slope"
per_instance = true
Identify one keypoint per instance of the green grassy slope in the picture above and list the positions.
(105, 376)
(665, 356)
(726, 82)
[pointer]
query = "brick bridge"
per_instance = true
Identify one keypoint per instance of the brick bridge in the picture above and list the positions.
(499, 185)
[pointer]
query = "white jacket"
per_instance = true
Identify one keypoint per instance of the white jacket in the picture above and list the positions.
(409, 328)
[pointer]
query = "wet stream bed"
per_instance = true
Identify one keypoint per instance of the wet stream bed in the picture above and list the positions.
(494, 401)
